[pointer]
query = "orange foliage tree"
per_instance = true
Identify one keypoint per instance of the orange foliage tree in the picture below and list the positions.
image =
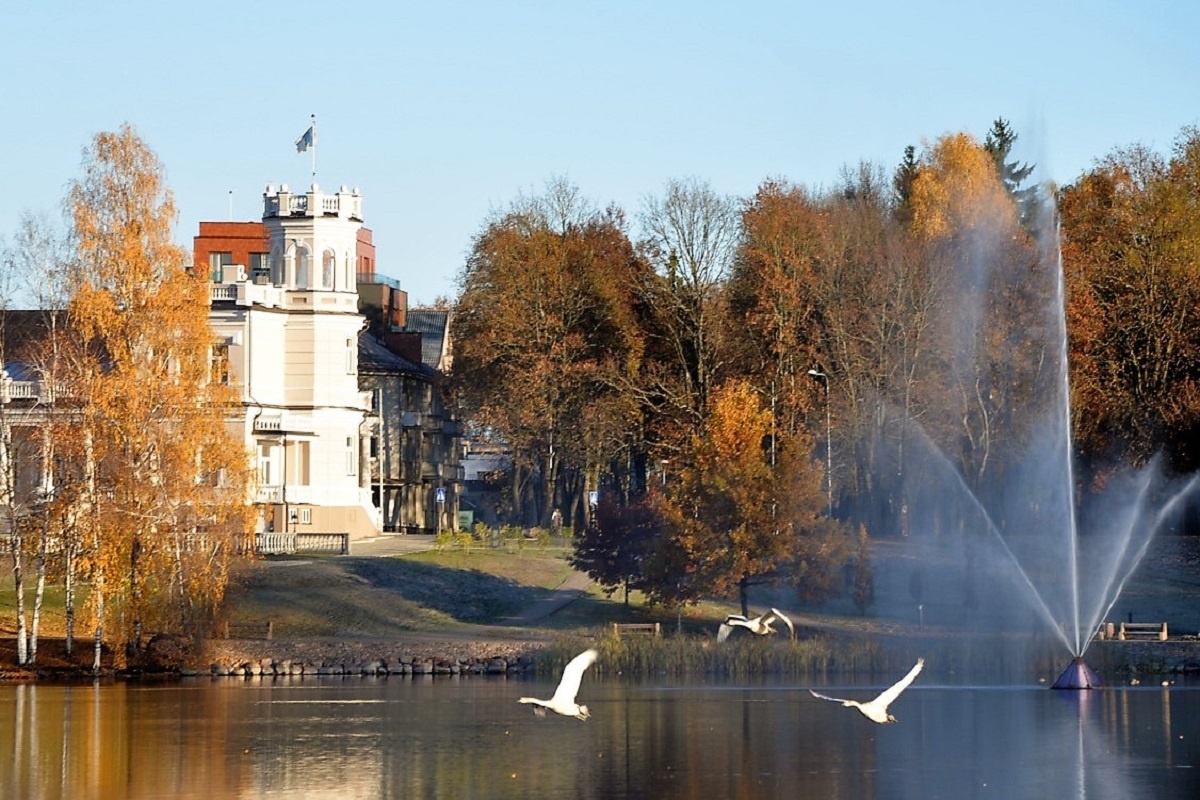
(747, 508)
(1131, 251)
(544, 335)
(163, 479)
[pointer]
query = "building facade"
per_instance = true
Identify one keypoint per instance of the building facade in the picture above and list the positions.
(285, 309)
(346, 422)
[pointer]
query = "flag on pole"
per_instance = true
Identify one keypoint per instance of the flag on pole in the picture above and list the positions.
(305, 141)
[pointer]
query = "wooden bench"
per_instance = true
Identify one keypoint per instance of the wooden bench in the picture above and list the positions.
(250, 630)
(651, 628)
(1143, 631)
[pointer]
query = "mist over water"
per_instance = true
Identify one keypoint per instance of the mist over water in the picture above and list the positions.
(1008, 538)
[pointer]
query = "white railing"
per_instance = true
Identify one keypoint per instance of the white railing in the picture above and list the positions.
(222, 292)
(288, 543)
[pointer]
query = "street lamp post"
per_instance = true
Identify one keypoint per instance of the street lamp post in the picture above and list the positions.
(821, 376)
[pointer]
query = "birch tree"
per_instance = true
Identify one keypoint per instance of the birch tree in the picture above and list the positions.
(169, 477)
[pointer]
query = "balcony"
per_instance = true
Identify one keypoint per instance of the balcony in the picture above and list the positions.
(282, 203)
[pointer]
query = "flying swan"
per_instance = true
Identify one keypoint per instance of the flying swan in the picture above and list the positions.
(760, 625)
(563, 701)
(877, 709)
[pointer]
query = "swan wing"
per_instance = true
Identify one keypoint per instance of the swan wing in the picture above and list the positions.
(827, 697)
(724, 631)
(784, 618)
(572, 675)
(886, 697)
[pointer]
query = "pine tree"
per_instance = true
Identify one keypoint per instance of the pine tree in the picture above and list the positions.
(999, 142)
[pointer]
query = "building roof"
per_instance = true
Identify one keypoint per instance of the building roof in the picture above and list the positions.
(434, 326)
(373, 356)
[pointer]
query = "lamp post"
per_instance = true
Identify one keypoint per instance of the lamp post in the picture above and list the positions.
(821, 376)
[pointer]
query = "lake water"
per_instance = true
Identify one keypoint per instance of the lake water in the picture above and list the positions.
(467, 737)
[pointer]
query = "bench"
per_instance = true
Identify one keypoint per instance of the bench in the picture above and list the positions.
(1143, 631)
(651, 628)
(250, 630)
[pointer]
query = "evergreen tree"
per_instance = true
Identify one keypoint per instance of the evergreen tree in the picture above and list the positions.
(999, 142)
(902, 182)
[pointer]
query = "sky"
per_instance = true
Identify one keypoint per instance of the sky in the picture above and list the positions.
(444, 113)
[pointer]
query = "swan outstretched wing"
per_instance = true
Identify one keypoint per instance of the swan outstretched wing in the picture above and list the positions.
(886, 697)
(731, 621)
(784, 618)
(572, 675)
(827, 697)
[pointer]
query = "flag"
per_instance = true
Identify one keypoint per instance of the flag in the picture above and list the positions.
(305, 141)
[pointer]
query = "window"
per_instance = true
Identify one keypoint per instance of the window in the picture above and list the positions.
(306, 516)
(351, 457)
(217, 260)
(301, 267)
(220, 363)
(328, 261)
(351, 352)
(264, 465)
(276, 266)
(260, 267)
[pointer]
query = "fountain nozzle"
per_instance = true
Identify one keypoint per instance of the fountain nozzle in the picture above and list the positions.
(1078, 675)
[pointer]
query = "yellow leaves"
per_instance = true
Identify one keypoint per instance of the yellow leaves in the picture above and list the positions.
(957, 189)
(732, 440)
(153, 419)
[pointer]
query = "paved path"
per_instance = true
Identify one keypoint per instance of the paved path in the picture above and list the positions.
(571, 589)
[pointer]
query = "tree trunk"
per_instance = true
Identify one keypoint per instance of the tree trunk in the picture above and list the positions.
(98, 647)
(69, 594)
(39, 593)
(19, 588)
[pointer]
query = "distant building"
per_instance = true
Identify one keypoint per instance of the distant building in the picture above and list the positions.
(285, 304)
(347, 423)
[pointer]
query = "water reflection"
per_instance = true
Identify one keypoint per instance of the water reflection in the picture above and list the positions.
(469, 738)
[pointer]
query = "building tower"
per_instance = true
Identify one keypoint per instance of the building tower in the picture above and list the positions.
(290, 326)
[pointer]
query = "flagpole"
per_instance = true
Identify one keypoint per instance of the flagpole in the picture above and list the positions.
(314, 150)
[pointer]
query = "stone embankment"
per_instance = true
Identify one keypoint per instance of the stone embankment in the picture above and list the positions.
(257, 658)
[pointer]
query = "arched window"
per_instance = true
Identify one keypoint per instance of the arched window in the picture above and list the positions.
(302, 266)
(328, 262)
(276, 265)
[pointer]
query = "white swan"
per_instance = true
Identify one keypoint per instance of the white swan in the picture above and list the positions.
(563, 701)
(760, 625)
(877, 709)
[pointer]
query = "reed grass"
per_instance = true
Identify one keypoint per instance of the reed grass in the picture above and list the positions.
(965, 659)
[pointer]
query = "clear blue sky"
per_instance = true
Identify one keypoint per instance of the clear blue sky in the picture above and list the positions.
(441, 112)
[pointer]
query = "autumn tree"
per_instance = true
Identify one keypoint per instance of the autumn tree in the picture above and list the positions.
(1130, 238)
(544, 335)
(748, 508)
(994, 351)
(166, 479)
(774, 292)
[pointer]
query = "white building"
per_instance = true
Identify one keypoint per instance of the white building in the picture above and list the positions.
(290, 325)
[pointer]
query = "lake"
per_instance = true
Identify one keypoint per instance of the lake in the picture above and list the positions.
(467, 737)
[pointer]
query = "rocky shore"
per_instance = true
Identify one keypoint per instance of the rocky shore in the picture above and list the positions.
(330, 657)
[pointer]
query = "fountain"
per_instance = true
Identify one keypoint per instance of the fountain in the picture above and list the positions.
(1022, 540)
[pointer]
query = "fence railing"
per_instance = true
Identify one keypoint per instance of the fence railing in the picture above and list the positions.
(289, 543)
